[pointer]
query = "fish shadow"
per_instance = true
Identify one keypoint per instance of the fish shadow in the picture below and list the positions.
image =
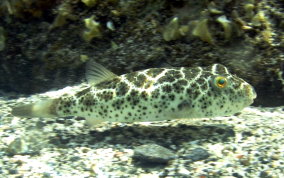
(132, 135)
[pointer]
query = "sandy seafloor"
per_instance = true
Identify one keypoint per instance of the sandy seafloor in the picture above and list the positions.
(249, 144)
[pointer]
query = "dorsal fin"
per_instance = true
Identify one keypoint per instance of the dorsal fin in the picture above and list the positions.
(96, 73)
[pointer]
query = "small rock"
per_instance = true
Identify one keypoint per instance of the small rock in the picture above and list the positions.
(153, 153)
(197, 154)
(264, 174)
(183, 171)
(18, 146)
(13, 171)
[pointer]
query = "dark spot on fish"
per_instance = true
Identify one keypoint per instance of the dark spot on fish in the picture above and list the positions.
(105, 95)
(108, 84)
(154, 72)
(89, 100)
(167, 88)
(184, 105)
(140, 80)
(178, 88)
(189, 91)
(172, 97)
(194, 86)
(134, 93)
(156, 93)
(83, 92)
(122, 89)
(209, 94)
(204, 86)
(182, 82)
(144, 95)
(131, 77)
(135, 101)
(170, 76)
(190, 73)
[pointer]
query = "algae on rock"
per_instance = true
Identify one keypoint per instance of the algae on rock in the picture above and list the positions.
(90, 3)
(201, 30)
(93, 29)
(173, 30)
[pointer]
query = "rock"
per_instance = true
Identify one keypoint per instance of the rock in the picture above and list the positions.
(153, 153)
(197, 154)
(18, 146)
(183, 171)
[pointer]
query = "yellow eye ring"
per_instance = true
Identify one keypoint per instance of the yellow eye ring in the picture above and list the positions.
(220, 81)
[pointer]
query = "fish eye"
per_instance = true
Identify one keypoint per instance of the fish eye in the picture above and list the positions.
(220, 81)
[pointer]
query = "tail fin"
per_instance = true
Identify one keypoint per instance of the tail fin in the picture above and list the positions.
(39, 109)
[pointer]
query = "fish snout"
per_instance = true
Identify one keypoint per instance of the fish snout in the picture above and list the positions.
(250, 92)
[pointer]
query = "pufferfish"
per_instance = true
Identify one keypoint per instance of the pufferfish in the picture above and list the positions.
(153, 94)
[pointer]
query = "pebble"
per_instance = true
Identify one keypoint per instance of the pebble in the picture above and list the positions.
(153, 153)
(197, 154)
(18, 146)
(183, 171)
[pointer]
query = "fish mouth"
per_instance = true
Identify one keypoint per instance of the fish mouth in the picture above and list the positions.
(250, 93)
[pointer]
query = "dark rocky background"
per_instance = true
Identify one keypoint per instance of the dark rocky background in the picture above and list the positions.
(44, 44)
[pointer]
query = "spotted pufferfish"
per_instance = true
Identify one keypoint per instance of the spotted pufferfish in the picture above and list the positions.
(153, 94)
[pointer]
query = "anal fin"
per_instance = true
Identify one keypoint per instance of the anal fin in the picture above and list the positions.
(91, 122)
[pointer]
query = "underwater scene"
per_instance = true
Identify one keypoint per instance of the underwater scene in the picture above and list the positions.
(141, 89)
